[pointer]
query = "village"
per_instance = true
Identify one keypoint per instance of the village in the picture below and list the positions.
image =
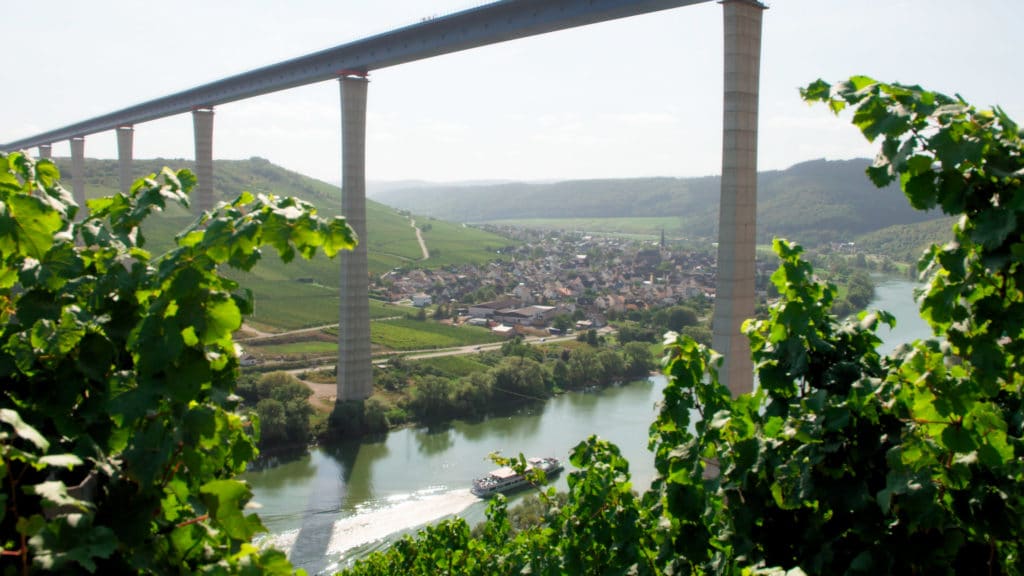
(555, 274)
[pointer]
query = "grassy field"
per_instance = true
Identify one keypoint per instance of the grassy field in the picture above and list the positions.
(298, 348)
(291, 305)
(456, 243)
(379, 309)
(408, 334)
(319, 304)
(390, 235)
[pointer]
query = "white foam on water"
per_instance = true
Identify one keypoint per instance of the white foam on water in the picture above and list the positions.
(411, 511)
(282, 541)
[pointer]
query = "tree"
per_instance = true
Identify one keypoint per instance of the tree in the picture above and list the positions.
(632, 332)
(562, 322)
(679, 317)
(612, 367)
(560, 373)
(375, 415)
(637, 357)
(518, 347)
(701, 334)
(584, 369)
(273, 421)
(294, 395)
(472, 394)
(522, 378)
(844, 460)
(860, 289)
(118, 437)
(430, 399)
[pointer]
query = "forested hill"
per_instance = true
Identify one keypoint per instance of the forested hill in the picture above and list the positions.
(814, 201)
(230, 177)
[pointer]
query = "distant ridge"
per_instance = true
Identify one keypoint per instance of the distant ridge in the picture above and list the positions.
(375, 188)
(814, 201)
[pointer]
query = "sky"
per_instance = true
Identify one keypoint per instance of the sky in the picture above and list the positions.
(635, 97)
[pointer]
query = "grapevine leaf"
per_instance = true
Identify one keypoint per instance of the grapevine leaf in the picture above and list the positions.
(61, 460)
(55, 493)
(225, 500)
(23, 430)
(72, 539)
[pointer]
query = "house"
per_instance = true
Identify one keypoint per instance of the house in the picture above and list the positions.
(420, 300)
(522, 293)
(487, 309)
(530, 315)
(504, 331)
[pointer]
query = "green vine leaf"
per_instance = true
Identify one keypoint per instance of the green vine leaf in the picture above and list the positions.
(23, 430)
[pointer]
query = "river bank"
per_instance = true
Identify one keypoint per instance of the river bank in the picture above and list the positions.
(310, 502)
(330, 506)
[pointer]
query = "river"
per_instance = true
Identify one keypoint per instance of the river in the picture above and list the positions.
(340, 502)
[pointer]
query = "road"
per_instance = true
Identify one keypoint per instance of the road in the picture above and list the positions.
(436, 352)
(325, 394)
(419, 237)
(272, 335)
(420, 354)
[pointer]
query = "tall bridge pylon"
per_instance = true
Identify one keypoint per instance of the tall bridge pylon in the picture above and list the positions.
(355, 373)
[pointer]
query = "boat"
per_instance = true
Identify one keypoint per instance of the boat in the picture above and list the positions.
(506, 479)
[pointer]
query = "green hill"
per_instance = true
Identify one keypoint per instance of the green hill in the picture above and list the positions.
(812, 202)
(303, 293)
(906, 242)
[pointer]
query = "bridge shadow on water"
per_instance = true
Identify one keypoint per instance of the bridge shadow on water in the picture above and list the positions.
(324, 503)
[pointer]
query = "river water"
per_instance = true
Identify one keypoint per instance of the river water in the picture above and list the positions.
(339, 502)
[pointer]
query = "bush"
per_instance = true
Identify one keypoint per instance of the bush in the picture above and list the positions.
(637, 358)
(282, 402)
(842, 461)
(117, 432)
(375, 415)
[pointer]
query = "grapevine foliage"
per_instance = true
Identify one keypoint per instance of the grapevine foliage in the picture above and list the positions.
(844, 461)
(118, 443)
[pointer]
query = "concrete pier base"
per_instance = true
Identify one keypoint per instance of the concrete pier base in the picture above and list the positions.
(202, 123)
(45, 151)
(78, 173)
(355, 375)
(737, 221)
(125, 136)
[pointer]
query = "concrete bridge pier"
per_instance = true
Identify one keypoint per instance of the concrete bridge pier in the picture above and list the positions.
(124, 156)
(78, 173)
(355, 374)
(45, 151)
(202, 123)
(737, 220)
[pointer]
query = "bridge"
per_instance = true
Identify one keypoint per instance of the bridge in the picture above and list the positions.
(500, 21)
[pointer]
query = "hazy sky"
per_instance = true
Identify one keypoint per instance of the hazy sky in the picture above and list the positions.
(633, 97)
